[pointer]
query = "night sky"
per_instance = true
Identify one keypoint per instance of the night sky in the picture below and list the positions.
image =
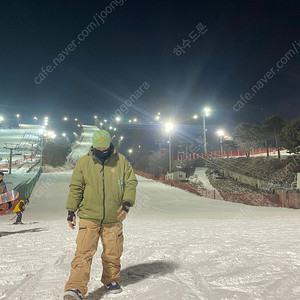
(237, 44)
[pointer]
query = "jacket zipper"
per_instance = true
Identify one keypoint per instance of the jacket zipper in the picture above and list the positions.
(104, 189)
(103, 193)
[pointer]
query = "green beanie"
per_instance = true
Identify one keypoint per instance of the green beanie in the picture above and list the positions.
(101, 138)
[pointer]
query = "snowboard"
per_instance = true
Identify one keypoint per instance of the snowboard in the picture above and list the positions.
(9, 196)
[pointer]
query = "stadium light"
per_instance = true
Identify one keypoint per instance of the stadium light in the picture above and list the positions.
(220, 132)
(169, 126)
(206, 111)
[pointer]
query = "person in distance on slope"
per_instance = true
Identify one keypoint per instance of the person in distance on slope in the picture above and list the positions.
(3, 188)
(19, 208)
(102, 189)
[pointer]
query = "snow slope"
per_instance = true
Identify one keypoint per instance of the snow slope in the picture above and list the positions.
(81, 147)
(200, 174)
(177, 246)
(24, 138)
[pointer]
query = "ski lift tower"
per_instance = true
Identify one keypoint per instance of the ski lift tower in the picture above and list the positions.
(10, 148)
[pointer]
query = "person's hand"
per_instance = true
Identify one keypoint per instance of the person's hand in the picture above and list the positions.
(71, 219)
(123, 213)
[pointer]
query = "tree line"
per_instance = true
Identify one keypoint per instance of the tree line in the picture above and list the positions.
(272, 131)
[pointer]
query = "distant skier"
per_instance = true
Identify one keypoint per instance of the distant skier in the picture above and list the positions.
(102, 189)
(19, 208)
(3, 188)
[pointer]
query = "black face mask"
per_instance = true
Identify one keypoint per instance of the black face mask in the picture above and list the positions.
(103, 155)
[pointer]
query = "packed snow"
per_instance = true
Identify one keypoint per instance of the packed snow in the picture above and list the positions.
(22, 138)
(177, 246)
(82, 146)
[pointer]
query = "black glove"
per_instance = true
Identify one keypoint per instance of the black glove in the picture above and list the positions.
(125, 206)
(71, 215)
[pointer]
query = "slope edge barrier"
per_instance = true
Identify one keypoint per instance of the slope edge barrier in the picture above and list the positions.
(254, 199)
(25, 190)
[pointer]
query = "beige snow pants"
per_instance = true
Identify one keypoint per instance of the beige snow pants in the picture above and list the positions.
(87, 242)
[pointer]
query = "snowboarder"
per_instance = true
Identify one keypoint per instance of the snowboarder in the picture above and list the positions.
(102, 189)
(19, 208)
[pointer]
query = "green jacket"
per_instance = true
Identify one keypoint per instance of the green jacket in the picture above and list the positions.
(98, 191)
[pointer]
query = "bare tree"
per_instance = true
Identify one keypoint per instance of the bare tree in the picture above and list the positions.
(273, 126)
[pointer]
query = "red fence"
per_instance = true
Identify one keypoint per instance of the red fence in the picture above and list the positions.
(230, 153)
(16, 162)
(255, 199)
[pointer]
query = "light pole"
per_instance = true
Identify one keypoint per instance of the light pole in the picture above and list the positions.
(169, 126)
(18, 118)
(206, 112)
(31, 150)
(221, 133)
(10, 156)
(120, 141)
(42, 151)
